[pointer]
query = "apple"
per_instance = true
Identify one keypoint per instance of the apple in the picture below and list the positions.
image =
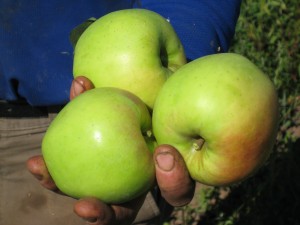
(132, 49)
(221, 112)
(98, 146)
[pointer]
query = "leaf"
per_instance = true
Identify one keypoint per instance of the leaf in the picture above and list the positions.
(78, 31)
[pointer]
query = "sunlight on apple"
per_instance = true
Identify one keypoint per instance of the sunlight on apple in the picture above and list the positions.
(97, 136)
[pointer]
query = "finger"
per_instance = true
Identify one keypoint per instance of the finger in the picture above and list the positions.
(37, 167)
(79, 85)
(96, 212)
(172, 176)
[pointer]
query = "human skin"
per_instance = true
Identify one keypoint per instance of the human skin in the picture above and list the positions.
(172, 177)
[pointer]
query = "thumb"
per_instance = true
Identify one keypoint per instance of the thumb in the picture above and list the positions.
(172, 176)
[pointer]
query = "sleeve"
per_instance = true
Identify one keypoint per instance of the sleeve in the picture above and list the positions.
(36, 55)
(204, 26)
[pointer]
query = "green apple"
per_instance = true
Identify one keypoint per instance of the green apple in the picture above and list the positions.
(97, 146)
(221, 112)
(133, 49)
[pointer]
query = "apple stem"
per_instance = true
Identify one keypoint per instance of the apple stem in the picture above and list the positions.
(149, 133)
(197, 145)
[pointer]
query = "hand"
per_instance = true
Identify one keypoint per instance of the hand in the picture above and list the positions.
(79, 85)
(173, 180)
(172, 176)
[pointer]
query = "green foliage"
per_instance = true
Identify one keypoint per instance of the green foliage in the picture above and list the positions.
(268, 33)
(78, 31)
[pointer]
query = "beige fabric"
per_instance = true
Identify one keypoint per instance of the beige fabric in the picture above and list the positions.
(22, 200)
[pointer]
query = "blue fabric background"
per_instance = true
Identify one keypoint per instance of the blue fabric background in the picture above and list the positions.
(36, 55)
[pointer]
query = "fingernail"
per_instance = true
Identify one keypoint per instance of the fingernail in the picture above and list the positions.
(91, 220)
(165, 161)
(77, 87)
